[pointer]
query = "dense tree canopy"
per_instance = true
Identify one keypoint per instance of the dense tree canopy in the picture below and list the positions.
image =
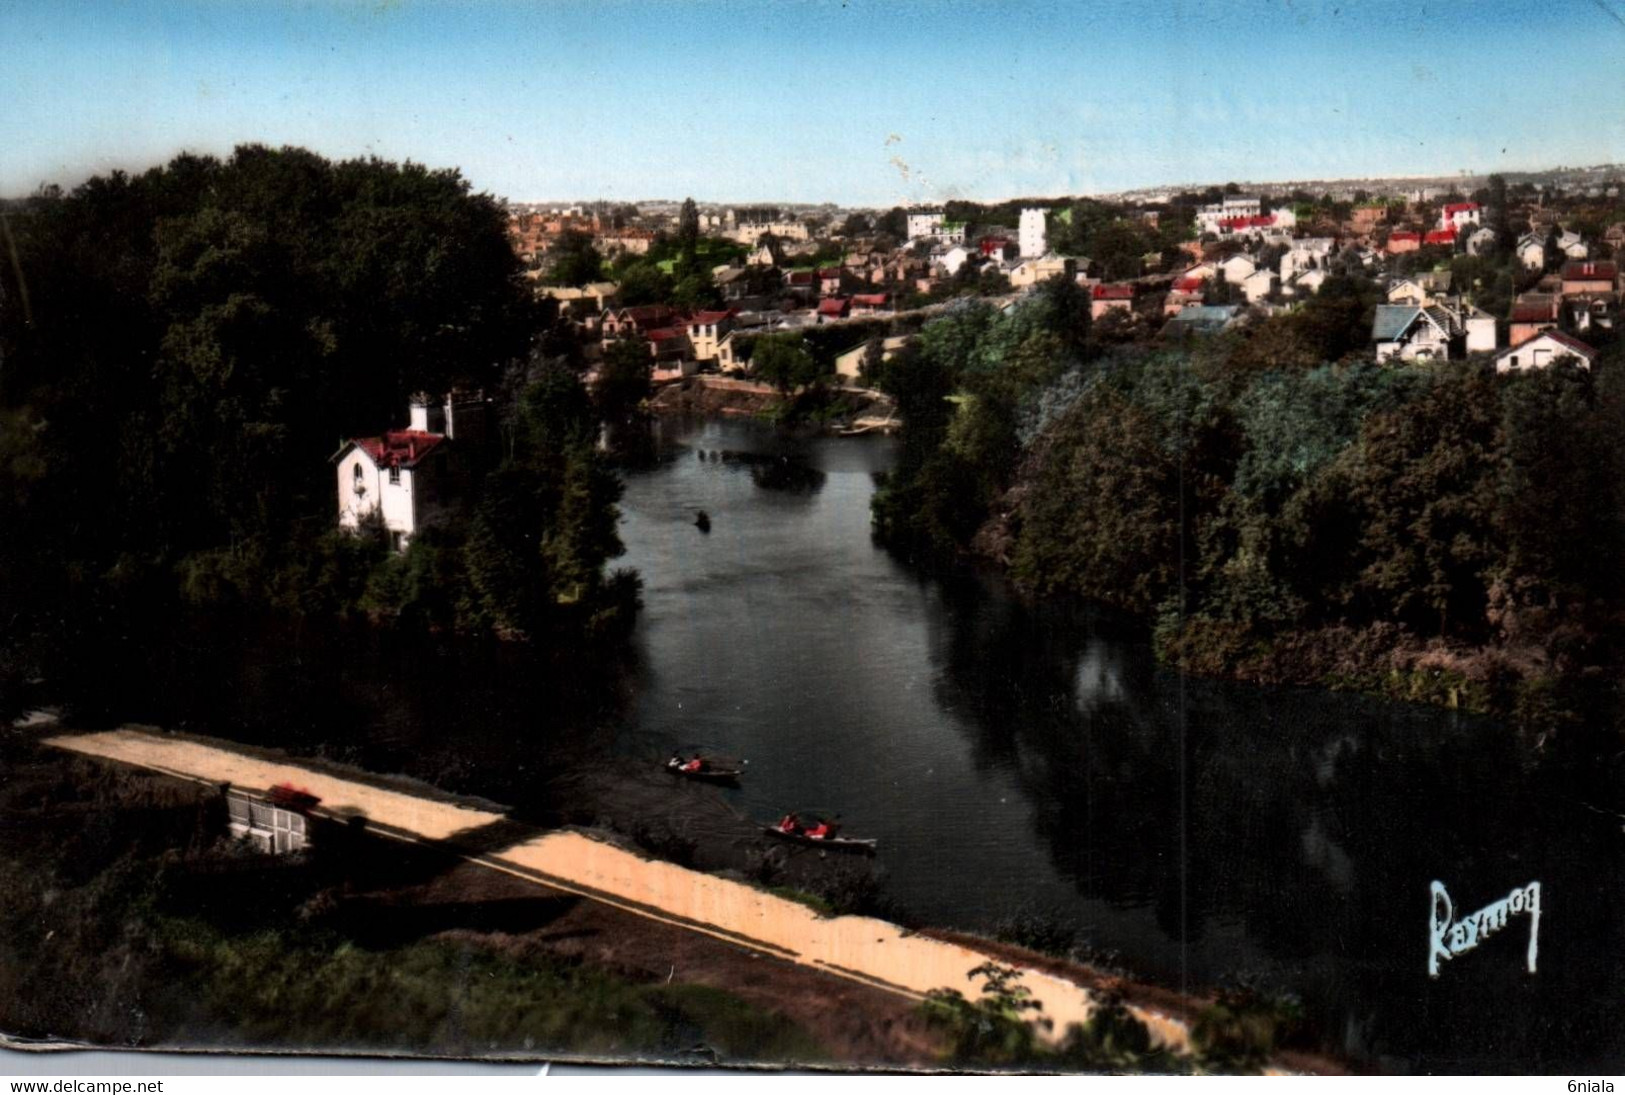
(199, 337)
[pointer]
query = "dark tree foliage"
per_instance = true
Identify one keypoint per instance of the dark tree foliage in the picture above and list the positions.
(198, 339)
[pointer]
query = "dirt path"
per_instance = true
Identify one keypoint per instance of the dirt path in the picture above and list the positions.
(868, 951)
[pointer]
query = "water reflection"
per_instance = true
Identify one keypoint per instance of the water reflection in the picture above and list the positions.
(1289, 836)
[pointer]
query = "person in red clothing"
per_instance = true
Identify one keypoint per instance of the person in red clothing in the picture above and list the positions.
(789, 823)
(821, 831)
(695, 765)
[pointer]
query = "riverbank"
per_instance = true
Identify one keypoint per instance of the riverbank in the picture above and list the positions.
(839, 408)
(876, 957)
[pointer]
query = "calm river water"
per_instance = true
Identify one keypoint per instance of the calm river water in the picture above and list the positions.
(1011, 759)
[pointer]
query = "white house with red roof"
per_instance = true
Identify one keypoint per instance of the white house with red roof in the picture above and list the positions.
(408, 478)
(1458, 215)
(1546, 348)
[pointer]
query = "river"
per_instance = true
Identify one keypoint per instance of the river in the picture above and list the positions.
(1012, 759)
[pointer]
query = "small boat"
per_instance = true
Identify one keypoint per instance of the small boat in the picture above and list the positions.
(852, 843)
(702, 521)
(711, 773)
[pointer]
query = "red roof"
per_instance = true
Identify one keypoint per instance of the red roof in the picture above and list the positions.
(1586, 270)
(399, 448)
(710, 317)
(1263, 221)
(871, 300)
(832, 306)
(1460, 207)
(1112, 292)
(1533, 311)
(1442, 235)
(800, 277)
(829, 271)
(1188, 285)
(665, 334)
(1402, 237)
(1571, 343)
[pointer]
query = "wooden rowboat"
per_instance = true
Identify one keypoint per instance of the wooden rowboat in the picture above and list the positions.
(848, 842)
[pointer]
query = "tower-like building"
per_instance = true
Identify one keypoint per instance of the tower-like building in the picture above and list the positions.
(1033, 244)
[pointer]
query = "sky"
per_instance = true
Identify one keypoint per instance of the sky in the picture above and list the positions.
(860, 102)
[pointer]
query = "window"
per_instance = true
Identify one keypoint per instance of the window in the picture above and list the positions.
(395, 476)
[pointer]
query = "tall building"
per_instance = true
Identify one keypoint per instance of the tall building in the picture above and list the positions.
(1032, 233)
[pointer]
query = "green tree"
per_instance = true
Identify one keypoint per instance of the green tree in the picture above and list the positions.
(784, 362)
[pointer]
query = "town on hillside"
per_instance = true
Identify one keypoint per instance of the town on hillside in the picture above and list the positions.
(1523, 273)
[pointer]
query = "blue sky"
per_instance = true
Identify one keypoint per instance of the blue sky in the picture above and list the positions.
(859, 102)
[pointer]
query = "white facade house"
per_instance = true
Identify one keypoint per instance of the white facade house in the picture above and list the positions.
(1307, 283)
(1238, 268)
(406, 479)
(1441, 331)
(1033, 233)
(954, 258)
(1258, 285)
(925, 225)
(1573, 245)
(1481, 241)
(1209, 217)
(1459, 216)
(1545, 349)
(1532, 252)
(1306, 254)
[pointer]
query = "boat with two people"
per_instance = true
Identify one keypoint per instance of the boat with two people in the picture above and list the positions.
(817, 832)
(700, 766)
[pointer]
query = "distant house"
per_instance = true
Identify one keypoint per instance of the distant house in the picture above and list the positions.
(1572, 245)
(831, 280)
(1306, 254)
(409, 479)
(1237, 268)
(924, 225)
(1258, 285)
(1401, 241)
(1481, 241)
(271, 826)
(1591, 311)
(1030, 272)
(801, 283)
(954, 258)
(1410, 332)
(706, 330)
(1589, 277)
(1458, 216)
(833, 308)
(1531, 251)
(669, 344)
(849, 365)
(1408, 291)
(1531, 314)
(1107, 298)
(637, 320)
(1441, 237)
(871, 304)
(1201, 319)
(1545, 349)
(1308, 282)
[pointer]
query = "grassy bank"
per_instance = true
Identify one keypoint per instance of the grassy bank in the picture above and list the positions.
(127, 918)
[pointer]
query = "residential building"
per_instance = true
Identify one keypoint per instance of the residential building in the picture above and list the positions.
(1481, 241)
(1237, 268)
(1531, 251)
(706, 330)
(1202, 319)
(1546, 348)
(1572, 245)
(849, 365)
(1258, 285)
(1584, 276)
(1033, 231)
(925, 225)
(1402, 240)
(1447, 329)
(408, 479)
(1531, 314)
(1107, 298)
(1029, 272)
(1459, 215)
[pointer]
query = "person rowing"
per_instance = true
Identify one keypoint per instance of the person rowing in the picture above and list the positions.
(821, 831)
(791, 824)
